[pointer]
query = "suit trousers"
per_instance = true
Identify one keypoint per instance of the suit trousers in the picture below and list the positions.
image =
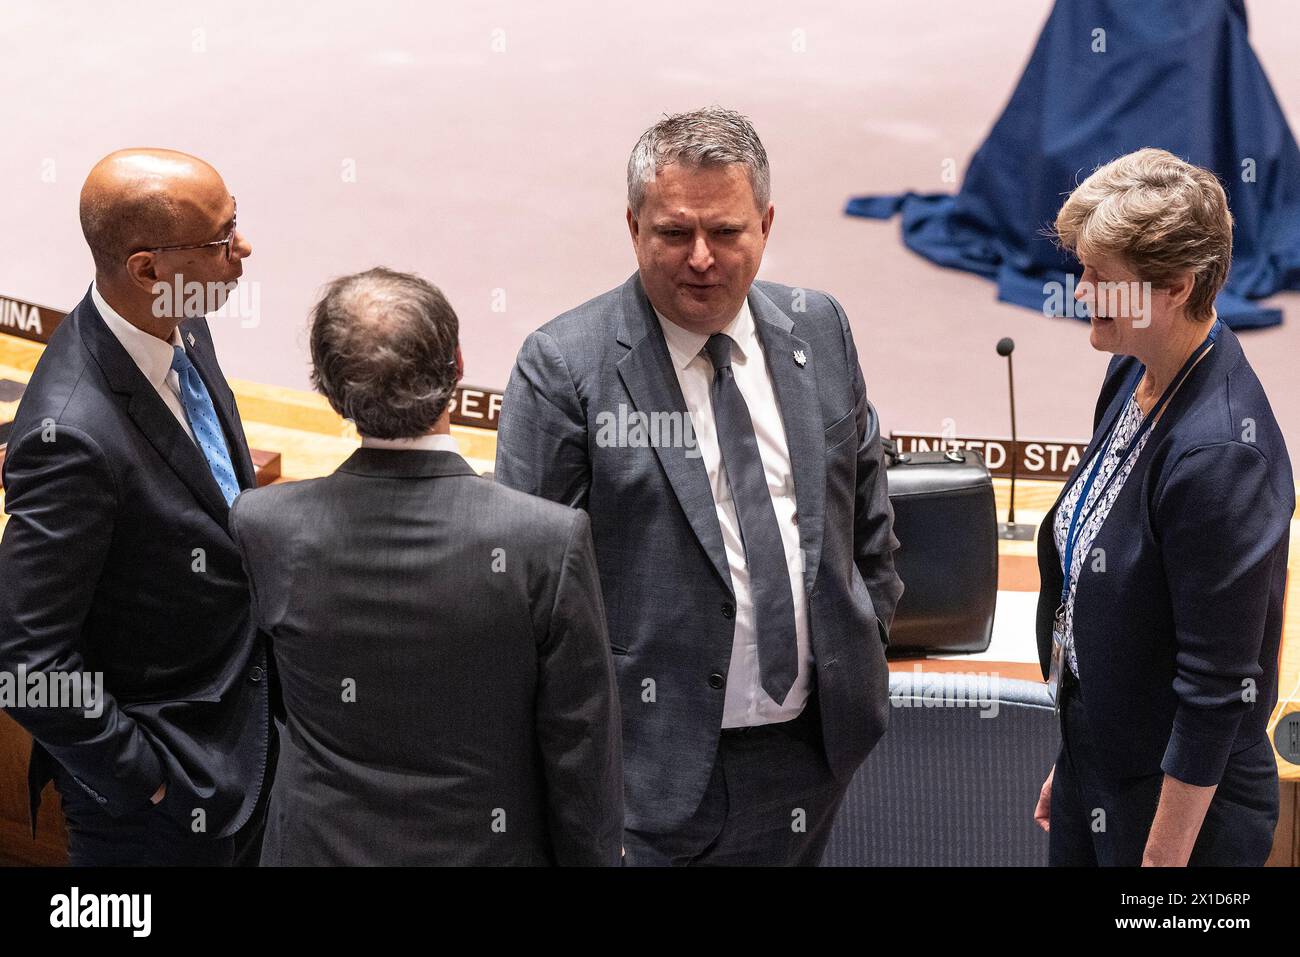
(771, 800)
(1100, 819)
(155, 835)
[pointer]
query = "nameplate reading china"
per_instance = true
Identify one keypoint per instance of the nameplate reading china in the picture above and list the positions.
(28, 320)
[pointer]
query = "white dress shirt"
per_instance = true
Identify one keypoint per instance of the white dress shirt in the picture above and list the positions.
(434, 442)
(151, 355)
(746, 702)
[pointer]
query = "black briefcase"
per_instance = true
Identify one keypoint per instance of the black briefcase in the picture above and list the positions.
(947, 528)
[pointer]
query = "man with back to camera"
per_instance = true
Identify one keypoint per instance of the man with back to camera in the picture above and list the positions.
(440, 639)
(746, 561)
(125, 455)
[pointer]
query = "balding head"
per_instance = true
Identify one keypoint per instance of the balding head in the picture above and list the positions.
(138, 199)
(384, 350)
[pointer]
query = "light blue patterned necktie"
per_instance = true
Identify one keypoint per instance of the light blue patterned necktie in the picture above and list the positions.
(203, 420)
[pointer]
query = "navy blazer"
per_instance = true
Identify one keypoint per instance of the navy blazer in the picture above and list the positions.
(117, 559)
(664, 575)
(1178, 608)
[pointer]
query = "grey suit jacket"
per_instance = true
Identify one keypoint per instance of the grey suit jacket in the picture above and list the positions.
(447, 683)
(663, 570)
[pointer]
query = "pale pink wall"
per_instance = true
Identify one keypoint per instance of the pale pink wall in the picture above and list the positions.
(489, 170)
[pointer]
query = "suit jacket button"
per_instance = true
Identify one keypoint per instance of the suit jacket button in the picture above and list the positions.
(794, 518)
(728, 610)
(255, 675)
(716, 681)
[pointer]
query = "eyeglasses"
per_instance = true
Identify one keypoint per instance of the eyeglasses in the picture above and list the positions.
(228, 242)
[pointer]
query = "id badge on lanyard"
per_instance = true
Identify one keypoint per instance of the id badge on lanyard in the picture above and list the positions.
(1058, 659)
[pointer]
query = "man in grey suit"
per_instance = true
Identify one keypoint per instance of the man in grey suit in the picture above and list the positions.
(440, 639)
(717, 431)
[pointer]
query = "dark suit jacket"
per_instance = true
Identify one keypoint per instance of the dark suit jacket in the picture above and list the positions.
(1177, 628)
(663, 570)
(116, 559)
(442, 650)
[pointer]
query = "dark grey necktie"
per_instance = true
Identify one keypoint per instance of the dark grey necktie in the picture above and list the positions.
(769, 578)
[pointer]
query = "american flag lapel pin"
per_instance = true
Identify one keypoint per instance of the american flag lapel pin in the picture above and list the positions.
(800, 359)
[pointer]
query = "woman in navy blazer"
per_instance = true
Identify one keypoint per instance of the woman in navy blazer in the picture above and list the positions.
(1160, 611)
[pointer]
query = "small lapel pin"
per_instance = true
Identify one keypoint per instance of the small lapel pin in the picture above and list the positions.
(192, 343)
(800, 359)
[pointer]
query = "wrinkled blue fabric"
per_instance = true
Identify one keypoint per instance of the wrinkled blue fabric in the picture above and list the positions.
(1177, 74)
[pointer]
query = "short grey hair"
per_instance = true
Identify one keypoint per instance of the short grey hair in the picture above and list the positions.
(383, 352)
(1162, 215)
(712, 136)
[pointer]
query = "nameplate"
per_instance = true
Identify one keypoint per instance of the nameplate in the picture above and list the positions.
(26, 320)
(480, 408)
(1052, 459)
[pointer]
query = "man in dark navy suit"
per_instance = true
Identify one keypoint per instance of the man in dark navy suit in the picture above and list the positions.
(125, 456)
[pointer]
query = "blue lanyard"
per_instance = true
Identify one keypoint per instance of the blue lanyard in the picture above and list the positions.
(1076, 520)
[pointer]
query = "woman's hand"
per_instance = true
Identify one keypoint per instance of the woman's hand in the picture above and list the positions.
(1043, 811)
(1177, 824)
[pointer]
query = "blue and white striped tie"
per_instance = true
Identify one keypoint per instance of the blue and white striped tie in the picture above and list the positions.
(203, 420)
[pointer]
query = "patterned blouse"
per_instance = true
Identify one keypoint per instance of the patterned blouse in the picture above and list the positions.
(1130, 421)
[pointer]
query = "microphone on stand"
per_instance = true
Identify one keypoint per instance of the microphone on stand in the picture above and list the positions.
(1009, 529)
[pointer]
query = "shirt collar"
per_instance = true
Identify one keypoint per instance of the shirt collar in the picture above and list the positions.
(435, 442)
(684, 345)
(151, 355)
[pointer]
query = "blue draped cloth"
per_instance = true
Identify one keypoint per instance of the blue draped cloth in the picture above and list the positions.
(1177, 74)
